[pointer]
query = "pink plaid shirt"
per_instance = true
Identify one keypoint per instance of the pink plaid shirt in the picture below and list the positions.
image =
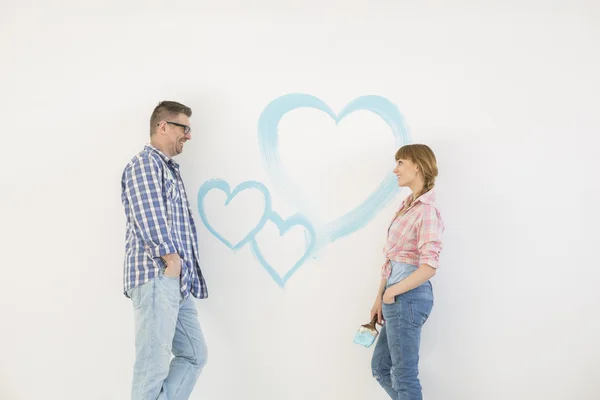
(416, 236)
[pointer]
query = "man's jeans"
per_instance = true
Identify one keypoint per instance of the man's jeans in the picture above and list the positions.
(164, 324)
(395, 362)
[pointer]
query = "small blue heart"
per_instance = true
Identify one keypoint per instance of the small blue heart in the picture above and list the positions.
(284, 226)
(224, 186)
(268, 143)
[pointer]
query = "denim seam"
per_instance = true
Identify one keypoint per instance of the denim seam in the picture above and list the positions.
(411, 312)
(148, 326)
(189, 364)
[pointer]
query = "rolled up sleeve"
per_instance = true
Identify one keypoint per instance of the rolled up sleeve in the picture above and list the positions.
(429, 237)
(144, 191)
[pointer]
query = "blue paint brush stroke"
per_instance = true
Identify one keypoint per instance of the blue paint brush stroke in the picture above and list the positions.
(224, 186)
(268, 215)
(268, 144)
(284, 226)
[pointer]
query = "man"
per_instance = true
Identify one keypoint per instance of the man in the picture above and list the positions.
(162, 273)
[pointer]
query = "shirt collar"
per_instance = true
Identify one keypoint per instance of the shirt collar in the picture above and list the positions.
(162, 155)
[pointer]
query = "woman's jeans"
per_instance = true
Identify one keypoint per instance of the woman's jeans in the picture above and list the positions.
(395, 362)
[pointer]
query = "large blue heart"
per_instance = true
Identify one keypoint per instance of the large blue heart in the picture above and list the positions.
(268, 143)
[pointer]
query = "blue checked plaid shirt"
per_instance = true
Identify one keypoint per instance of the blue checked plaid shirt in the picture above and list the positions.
(159, 222)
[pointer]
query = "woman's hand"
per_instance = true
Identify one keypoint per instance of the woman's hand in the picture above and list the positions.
(376, 310)
(389, 297)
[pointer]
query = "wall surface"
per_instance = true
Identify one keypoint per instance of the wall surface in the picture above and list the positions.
(304, 104)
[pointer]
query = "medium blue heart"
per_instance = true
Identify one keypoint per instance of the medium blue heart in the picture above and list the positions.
(284, 226)
(224, 186)
(268, 143)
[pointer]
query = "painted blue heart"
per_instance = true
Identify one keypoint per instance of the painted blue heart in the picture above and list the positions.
(268, 143)
(284, 226)
(224, 186)
(268, 215)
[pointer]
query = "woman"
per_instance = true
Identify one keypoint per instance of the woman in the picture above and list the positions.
(405, 297)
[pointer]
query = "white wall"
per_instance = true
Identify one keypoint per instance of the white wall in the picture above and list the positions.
(505, 93)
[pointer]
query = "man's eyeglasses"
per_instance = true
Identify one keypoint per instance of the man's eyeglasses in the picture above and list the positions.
(186, 129)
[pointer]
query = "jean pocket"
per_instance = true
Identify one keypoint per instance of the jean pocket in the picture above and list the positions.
(383, 303)
(165, 276)
(420, 311)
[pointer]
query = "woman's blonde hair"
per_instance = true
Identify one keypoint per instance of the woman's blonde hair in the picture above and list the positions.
(424, 157)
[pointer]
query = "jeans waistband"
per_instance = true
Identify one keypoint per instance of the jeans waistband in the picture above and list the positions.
(421, 292)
